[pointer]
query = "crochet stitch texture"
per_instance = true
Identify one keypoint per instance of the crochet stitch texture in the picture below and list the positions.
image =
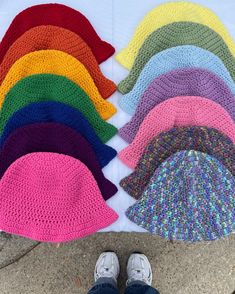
(58, 15)
(203, 139)
(177, 112)
(182, 82)
(63, 114)
(60, 63)
(57, 38)
(190, 198)
(47, 87)
(178, 34)
(56, 138)
(59, 199)
(171, 59)
(168, 13)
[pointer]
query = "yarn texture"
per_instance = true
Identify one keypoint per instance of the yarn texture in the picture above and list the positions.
(189, 198)
(59, 199)
(59, 63)
(171, 59)
(182, 82)
(47, 87)
(57, 38)
(176, 112)
(58, 15)
(63, 114)
(178, 34)
(168, 13)
(203, 139)
(56, 138)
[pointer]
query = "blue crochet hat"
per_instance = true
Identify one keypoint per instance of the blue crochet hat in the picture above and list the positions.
(171, 59)
(60, 113)
(190, 197)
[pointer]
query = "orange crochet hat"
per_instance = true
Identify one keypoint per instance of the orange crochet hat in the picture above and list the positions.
(53, 37)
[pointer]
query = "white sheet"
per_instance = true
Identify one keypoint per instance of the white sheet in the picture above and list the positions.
(115, 21)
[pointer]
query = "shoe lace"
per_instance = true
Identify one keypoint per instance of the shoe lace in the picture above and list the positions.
(138, 275)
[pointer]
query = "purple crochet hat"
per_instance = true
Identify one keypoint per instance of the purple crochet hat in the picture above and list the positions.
(190, 197)
(203, 139)
(182, 82)
(57, 138)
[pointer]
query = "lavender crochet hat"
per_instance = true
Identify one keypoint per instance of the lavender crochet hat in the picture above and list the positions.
(190, 197)
(178, 57)
(203, 139)
(182, 82)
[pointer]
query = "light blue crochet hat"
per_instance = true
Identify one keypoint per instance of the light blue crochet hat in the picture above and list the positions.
(171, 59)
(190, 197)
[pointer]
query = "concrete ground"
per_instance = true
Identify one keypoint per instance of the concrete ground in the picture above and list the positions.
(29, 267)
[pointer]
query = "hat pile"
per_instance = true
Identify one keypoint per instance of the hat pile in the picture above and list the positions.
(52, 126)
(181, 94)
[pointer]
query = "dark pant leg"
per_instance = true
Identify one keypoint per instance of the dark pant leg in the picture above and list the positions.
(140, 288)
(104, 286)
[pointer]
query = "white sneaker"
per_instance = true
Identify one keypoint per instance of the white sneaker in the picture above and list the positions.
(107, 266)
(139, 269)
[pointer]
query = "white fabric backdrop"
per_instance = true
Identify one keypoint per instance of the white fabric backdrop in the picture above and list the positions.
(115, 21)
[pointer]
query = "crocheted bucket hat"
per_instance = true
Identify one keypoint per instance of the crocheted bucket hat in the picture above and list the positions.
(52, 37)
(168, 13)
(178, 34)
(59, 199)
(203, 139)
(190, 197)
(63, 114)
(59, 63)
(57, 15)
(171, 59)
(57, 138)
(46, 87)
(182, 82)
(178, 112)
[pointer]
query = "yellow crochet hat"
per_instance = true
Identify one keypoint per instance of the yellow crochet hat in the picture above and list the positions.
(167, 13)
(59, 63)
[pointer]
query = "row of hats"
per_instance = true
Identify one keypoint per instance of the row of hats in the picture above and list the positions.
(52, 126)
(181, 93)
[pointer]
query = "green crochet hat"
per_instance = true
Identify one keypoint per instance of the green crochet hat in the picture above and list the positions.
(178, 34)
(48, 87)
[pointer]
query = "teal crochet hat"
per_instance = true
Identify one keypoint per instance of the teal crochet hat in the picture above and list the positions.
(191, 197)
(171, 59)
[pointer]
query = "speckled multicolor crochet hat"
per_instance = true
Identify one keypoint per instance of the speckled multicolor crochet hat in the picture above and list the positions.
(58, 15)
(190, 198)
(178, 34)
(178, 57)
(47, 87)
(177, 112)
(52, 37)
(203, 139)
(59, 63)
(56, 138)
(168, 13)
(59, 199)
(63, 114)
(181, 82)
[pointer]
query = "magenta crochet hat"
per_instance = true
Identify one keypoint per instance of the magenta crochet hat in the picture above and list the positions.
(51, 197)
(182, 82)
(176, 112)
(57, 138)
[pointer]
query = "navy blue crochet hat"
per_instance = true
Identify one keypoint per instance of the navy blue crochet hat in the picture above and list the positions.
(190, 197)
(63, 114)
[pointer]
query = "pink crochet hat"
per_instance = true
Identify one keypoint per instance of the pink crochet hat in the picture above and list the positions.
(176, 112)
(51, 197)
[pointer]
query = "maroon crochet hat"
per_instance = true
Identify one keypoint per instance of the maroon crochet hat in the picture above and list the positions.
(203, 139)
(61, 16)
(57, 138)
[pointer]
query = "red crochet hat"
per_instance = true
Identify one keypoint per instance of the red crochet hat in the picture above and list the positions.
(58, 15)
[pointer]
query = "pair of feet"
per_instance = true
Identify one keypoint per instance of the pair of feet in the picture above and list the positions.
(138, 268)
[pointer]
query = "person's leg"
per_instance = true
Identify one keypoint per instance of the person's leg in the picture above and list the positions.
(106, 274)
(139, 274)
